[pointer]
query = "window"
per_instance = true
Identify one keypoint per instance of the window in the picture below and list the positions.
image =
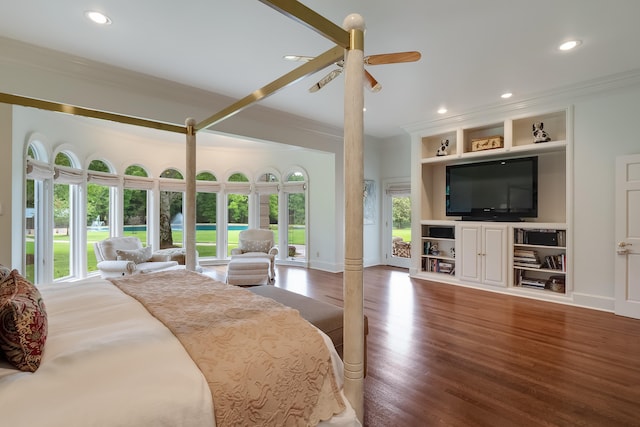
(207, 189)
(35, 242)
(65, 208)
(267, 188)
(295, 192)
(237, 188)
(101, 191)
(172, 187)
(136, 202)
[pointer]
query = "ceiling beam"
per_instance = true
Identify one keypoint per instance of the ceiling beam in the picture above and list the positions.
(329, 57)
(86, 112)
(301, 13)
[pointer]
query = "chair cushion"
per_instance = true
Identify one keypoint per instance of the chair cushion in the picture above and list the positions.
(255, 245)
(147, 267)
(108, 247)
(136, 255)
(23, 322)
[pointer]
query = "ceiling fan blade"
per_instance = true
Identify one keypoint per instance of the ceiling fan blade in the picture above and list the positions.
(371, 83)
(392, 58)
(298, 58)
(326, 79)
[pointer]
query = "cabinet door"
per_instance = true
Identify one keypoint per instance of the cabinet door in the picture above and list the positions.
(469, 252)
(494, 255)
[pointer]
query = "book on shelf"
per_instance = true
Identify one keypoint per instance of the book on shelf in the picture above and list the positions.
(532, 286)
(528, 282)
(526, 258)
(525, 253)
(527, 264)
(439, 266)
(445, 267)
(555, 262)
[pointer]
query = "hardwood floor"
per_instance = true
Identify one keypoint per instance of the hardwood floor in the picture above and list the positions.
(448, 355)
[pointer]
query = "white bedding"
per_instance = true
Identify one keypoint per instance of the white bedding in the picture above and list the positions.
(108, 362)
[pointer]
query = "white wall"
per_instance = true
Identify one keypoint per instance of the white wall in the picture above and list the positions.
(605, 127)
(371, 232)
(5, 186)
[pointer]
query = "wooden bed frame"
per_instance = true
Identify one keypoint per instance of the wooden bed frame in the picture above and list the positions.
(350, 47)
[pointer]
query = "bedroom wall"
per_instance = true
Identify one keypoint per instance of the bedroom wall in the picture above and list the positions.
(5, 187)
(605, 127)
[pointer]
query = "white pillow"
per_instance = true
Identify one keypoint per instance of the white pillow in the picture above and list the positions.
(136, 255)
(255, 245)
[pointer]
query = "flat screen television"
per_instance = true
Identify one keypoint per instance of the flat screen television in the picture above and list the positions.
(498, 190)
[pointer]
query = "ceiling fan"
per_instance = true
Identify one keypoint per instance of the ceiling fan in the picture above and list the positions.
(372, 83)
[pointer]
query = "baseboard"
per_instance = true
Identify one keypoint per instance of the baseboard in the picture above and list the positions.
(595, 302)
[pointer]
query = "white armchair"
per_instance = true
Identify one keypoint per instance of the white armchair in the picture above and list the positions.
(120, 256)
(255, 242)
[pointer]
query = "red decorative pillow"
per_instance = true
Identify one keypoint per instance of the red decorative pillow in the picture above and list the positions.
(23, 322)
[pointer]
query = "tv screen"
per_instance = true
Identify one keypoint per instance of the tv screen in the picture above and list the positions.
(500, 190)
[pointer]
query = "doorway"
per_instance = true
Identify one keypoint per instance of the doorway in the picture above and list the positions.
(627, 261)
(397, 241)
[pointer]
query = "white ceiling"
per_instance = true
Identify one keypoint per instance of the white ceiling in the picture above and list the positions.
(472, 51)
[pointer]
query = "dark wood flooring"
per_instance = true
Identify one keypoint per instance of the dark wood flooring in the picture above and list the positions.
(444, 355)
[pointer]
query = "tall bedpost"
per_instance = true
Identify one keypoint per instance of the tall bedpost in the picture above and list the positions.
(353, 192)
(190, 206)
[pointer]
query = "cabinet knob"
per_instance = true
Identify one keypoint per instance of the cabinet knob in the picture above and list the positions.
(624, 244)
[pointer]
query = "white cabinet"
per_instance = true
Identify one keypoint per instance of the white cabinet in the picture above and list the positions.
(482, 253)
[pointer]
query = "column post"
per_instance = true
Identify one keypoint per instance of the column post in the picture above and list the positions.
(354, 192)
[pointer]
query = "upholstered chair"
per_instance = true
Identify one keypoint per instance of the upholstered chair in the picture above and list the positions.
(255, 242)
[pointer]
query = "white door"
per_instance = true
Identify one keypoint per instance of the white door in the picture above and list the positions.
(627, 263)
(468, 252)
(397, 222)
(494, 255)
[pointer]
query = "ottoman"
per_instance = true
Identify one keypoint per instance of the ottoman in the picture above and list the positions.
(249, 271)
(324, 316)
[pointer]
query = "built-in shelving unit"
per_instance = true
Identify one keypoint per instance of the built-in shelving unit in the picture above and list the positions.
(497, 259)
(540, 259)
(438, 249)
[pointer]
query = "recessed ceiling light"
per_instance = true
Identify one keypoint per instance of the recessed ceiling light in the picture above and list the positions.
(442, 110)
(98, 17)
(506, 95)
(568, 45)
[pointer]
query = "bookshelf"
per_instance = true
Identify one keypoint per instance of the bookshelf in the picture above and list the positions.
(438, 249)
(540, 263)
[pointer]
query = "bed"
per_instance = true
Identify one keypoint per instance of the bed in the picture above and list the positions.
(108, 361)
(349, 47)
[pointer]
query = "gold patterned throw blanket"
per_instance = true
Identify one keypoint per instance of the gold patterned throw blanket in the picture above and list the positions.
(265, 364)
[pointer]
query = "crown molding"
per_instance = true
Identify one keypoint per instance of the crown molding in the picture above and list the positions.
(551, 99)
